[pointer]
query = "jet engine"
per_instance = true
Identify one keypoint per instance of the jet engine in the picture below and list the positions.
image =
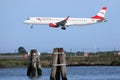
(53, 25)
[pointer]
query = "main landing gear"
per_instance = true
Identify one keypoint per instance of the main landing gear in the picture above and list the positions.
(63, 28)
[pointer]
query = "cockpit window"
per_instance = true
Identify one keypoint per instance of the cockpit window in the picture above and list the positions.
(28, 18)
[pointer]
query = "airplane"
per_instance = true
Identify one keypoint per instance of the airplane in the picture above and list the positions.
(65, 22)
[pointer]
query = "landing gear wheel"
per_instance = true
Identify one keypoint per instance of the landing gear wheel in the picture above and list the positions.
(63, 28)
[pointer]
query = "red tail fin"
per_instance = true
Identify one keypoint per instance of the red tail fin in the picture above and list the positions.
(101, 14)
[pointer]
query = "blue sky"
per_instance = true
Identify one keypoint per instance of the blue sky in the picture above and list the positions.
(14, 33)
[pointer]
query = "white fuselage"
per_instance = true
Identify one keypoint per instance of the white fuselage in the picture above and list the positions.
(70, 21)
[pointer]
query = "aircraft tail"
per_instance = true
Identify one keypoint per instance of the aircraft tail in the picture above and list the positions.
(101, 14)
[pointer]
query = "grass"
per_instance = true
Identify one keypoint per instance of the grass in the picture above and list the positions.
(46, 60)
(13, 62)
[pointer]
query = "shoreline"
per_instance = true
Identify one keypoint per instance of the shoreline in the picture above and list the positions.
(8, 63)
(100, 59)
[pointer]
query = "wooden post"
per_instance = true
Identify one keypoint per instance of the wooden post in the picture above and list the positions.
(54, 68)
(63, 61)
(34, 64)
(58, 65)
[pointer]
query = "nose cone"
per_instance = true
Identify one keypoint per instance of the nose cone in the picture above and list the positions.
(25, 22)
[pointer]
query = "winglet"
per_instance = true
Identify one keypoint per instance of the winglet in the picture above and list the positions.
(101, 14)
(67, 18)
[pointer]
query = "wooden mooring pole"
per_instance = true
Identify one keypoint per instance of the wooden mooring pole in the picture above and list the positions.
(58, 65)
(34, 63)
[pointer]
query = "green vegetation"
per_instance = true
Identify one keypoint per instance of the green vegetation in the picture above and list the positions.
(13, 62)
(72, 58)
(110, 58)
(22, 50)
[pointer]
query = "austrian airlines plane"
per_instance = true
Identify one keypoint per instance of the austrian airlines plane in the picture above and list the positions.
(65, 22)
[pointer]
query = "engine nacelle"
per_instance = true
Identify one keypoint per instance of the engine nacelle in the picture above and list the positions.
(53, 25)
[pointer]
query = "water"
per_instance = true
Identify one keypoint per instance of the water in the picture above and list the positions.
(73, 73)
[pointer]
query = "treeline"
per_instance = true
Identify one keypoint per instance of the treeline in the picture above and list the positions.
(78, 52)
(92, 53)
(109, 58)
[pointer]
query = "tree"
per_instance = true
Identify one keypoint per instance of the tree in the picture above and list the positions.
(22, 50)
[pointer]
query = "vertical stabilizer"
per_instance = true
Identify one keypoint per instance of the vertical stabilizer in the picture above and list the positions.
(101, 14)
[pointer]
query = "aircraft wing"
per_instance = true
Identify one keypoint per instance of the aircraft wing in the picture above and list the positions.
(61, 23)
